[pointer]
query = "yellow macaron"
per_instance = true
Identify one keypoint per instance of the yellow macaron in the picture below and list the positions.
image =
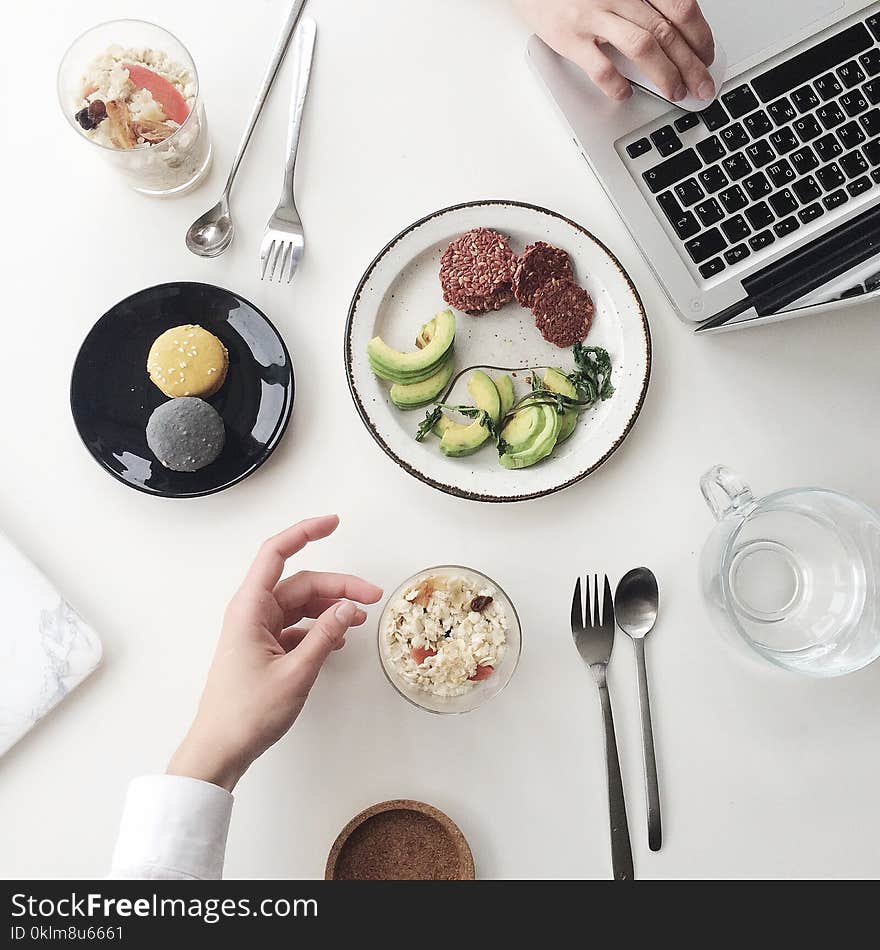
(188, 361)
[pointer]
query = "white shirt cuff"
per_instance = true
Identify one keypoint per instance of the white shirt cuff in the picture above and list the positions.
(172, 827)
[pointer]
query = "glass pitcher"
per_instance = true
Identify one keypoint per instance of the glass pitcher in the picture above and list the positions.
(794, 576)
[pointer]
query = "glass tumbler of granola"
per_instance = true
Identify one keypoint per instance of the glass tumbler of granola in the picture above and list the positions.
(131, 89)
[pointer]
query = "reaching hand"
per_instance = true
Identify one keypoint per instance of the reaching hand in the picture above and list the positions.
(265, 665)
(669, 39)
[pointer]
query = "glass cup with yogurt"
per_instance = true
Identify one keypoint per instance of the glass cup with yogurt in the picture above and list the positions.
(131, 89)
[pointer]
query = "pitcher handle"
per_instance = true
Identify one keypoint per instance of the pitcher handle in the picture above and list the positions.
(725, 492)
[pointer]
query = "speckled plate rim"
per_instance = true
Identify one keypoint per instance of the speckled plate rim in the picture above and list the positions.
(404, 804)
(412, 469)
(270, 445)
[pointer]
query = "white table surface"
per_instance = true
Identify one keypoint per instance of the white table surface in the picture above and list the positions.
(414, 105)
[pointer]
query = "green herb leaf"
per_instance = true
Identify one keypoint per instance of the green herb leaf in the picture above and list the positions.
(430, 420)
(593, 374)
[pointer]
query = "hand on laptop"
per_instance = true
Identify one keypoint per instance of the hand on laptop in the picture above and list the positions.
(265, 665)
(668, 39)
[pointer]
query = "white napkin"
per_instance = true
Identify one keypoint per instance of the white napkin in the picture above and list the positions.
(46, 649)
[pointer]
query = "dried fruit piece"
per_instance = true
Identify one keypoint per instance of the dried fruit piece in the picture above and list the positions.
(152, 132)
(168, 96)
(92, 115)
(539, 264)
(476, 271)
(480, 603)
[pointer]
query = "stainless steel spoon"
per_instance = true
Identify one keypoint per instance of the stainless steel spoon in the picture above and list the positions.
(211, 234)
(636, 603)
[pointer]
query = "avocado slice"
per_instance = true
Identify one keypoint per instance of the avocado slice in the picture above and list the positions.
(415, 367)
(557, 382)
(426, 334)
(530, 436)
(504, 385)
(416, 395)
(458, 439)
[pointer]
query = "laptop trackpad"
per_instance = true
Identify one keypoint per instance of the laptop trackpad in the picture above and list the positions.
(749, 27)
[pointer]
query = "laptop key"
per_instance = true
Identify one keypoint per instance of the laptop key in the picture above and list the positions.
(667, 173)
(870, 61)
(711, 268)
(872, 151)
(737, 254)
(807, 128)
(859, 186)
(871, 122)
(686, 121)
(872, 92)
(684, 222)
(739, 101)
(714, 117)
(875, 176)
(634, 149)
(737, 166)
(735, 137)
(733, 199)
(828, 87)
(827, 148)
(873, 24)
(850, 135)
(784, 140)
(761, 240)
(830, 115)
(804, 99)
(781, 111)
(758, 124)
(780, 173)
(811, 212)
(786, 226)
(853, 164)
(736, 229)
(706, 245)
(850, 74)
(807, 190)
(713, 179)
(709, 212)
(711, 149)
(689, 192)
(783, 203)
(757, 186)
(804, 160)
(830, 177)
(853, 103)
(666, 140)
(759, 215)
(835, 199)
(760, 153)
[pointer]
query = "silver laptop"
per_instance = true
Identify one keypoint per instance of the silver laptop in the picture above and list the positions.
(765, 204)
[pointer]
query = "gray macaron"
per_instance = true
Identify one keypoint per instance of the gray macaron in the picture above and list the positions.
(186, 434)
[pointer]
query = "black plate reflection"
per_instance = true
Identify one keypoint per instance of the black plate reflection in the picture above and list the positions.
(112, 397)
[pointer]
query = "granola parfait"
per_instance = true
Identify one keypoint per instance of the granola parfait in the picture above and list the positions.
(448, 639)
(131, 89)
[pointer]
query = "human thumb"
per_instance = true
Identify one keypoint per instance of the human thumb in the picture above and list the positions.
(324, 637)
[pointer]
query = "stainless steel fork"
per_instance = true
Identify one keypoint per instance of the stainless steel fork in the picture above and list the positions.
(593, 634)
(284, 241)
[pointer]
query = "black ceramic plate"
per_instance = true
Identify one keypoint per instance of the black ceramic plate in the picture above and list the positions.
(112, 397)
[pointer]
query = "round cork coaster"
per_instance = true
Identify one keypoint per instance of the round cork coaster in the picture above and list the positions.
(400, 840)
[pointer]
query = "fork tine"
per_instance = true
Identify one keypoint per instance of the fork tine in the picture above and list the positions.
(596, 610)
(283, 259)
(265, 253)
(588, 611)
(608, 620)
(577, 610)
(294, 262)
(279, 250)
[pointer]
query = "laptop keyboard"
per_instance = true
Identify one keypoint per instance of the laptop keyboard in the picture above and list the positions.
(773, 154)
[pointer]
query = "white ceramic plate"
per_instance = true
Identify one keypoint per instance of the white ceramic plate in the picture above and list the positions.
(401, 290)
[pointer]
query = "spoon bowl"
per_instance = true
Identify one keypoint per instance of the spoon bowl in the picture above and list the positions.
(211, 234)
(636, 602)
